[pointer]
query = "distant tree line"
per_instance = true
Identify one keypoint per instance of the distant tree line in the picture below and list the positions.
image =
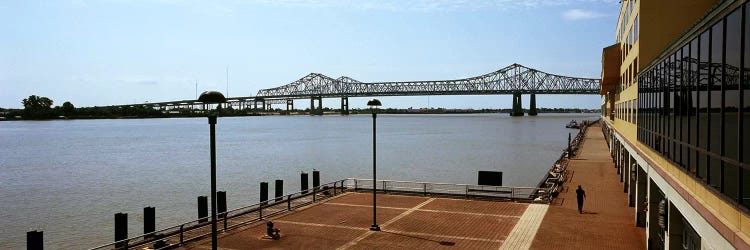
(40, 108)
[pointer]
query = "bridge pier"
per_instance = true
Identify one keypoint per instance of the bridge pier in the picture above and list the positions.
(289, 105)
(319, 109)
(262, 105)
(269, 107)
(344, 105)
(532, 105)
(517, 108)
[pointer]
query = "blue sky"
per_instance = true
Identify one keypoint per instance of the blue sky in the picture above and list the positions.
(111, 52)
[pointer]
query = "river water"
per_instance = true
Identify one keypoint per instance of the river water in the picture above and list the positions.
(69, 178)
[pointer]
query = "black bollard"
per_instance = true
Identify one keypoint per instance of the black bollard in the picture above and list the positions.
(279, 190)
(149, 220)
(316, 178)
(264, 192)
(303, 182)
(570, 154)
(121, 229)
(35, 240)
(202, 209)
(221, 202)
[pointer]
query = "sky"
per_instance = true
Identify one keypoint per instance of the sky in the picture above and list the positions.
(110, 52)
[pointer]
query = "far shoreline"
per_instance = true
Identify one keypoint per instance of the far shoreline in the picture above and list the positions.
(193, 114)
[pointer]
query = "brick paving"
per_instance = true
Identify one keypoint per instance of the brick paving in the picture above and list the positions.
(607, 221)
(407, 222)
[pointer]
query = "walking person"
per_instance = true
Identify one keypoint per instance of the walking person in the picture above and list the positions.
(580, 195)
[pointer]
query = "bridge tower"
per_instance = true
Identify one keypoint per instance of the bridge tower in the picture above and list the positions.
(517, 108)
(344, 105)
(532, 105)
(319, 109)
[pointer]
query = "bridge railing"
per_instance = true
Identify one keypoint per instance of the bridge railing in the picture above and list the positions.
(450, 189)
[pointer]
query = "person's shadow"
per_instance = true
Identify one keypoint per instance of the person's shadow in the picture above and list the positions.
(444, 243)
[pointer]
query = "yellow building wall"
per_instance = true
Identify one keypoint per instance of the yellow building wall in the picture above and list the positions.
(664, 21)
(660, 24)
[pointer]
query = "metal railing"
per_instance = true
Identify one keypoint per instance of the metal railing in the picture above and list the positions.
(558, 174)
(448, 189)
(197, 229)
(185, 232)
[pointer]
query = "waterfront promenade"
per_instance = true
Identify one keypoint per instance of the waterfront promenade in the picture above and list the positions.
(426, 222)
(607, 221)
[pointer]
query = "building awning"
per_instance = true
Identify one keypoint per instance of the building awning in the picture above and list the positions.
(611, 61)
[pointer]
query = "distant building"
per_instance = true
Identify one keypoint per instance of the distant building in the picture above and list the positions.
(676, 99)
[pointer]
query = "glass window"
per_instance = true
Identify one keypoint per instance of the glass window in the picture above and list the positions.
(692, 83)
(717, 58)
(702, 102)
(669, 97)
(651, 106)
(676, 97)
(731, 83)
(702, 90)
(714, 169)
(635, 28)
(731, 172)
(684, 93)
(746, 96)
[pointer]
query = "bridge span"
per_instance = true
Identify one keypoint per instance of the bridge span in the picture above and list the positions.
(514, 80)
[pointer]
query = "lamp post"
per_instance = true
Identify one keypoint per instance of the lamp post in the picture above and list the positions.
(374, 104)
(210, 97)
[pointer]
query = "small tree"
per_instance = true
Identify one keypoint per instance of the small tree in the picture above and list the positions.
(68, 108)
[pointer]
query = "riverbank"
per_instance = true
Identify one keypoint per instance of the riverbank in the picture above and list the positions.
(16, 115)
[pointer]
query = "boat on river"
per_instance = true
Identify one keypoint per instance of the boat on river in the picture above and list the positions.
(572, 124)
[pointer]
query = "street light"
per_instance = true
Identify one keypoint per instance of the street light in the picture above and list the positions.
(374, 104)
(210, 97)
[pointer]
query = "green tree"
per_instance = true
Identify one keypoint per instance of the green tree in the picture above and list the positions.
(37, 107)
(68, 108)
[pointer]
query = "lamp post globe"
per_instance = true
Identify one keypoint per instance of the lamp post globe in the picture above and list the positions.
(213, 97)
(374, 104)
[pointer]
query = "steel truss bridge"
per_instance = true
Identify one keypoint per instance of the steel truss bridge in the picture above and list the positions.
(515, 79)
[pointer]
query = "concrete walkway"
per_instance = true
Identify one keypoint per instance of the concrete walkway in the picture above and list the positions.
(607, 222)
(526, 227)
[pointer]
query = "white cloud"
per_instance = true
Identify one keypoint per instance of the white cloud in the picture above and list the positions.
(579, 14)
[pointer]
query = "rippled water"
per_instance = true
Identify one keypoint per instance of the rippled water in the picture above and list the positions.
(69, 178)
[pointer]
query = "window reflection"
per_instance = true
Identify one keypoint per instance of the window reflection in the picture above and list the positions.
(693, 106)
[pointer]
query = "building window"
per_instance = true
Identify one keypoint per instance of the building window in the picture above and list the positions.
(693, 106)
(745, 111)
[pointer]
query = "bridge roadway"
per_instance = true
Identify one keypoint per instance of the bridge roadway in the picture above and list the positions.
(515, 79)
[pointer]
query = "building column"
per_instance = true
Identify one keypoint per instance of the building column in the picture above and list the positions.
(344, 105)
(532, 105)
(517, 109)
(641, 201)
